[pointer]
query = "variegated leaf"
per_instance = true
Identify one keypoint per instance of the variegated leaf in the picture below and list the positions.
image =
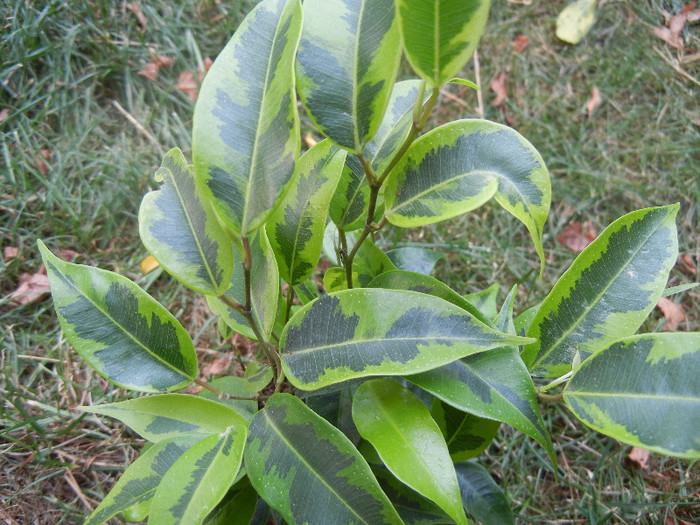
(199, 479)
(245, 136)
(346, 65)
(607, 292)
(459, 166)
(365, 332)
(439, 36)
(307, 470)
(234, 386)
(644, 391)
(370, 261)
(466, 435)
(350, 203)
(296, 227)
(180, 229)
(483, 499)
(485, 300)
(335, 279)
(157, 418)
(120, 330)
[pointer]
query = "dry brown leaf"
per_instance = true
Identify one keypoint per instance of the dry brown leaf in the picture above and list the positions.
(639, 457)
(594, 101)
(216, 366)
(498, 86)
(207, 63)
(672, 34)
(686, 264)
(31, 287)
(10, 252)
(574, 238)
(673, 313)
(162, 60)
(693, 16)
(150, 70)
(187, 84)
(136, 9)
(41, 165)
(69, 255)
(4, 113)
(520, 43)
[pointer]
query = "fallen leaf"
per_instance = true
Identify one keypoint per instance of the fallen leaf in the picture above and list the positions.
(673, 313)
(136, 9)
(594, 101)
(40, 164)
(498, 86)
(575, 21)
(687, 265)
(672, 34)
(207, 64)
(150, 71)
(68, 254)
(187, 84)
(574, 238)
(693, 16)
(162, 60)
(4, 114)
(31, 287)
(639, 457)
(216, 366)
(149, 264)
(10, 252)
(520, 43)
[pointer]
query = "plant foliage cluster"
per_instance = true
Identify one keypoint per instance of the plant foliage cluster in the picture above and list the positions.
(383, 387)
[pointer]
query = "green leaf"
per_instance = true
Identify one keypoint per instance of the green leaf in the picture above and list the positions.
(346, 65)
(306, 291)
(197, 481)
(180, 229)
(576, 20)
(307, 470)
(464, 82)
(296, 227)
(607, 292)
(457, 167)
(157, 418)
(485, 300)
(365, 332)
(483, 499)
(335, 280)
(409, 442)
(466, 435)
(370, 261)
(679, 289)
(336, 408)
(257, 376)
(439, 36)
(235, 386)
(120, 330)
(236, 508)
(350, 203)
(245, 136)
(504, 319)
(644, 391)
(493, 385)
(139, 482)
(415, 259)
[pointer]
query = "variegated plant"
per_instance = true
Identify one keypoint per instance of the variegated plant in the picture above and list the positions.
(365, 403)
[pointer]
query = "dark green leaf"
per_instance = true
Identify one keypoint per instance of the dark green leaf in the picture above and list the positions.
(482, 498)
(466, 435)
(414, 259)
(370, 261)
(486, 300)
(237, 507)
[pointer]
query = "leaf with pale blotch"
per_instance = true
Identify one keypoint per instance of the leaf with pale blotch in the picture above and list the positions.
(296, 227)
(120, 330)
(199, 479)
(439, 36)
(257, 376)
(346, 65)
(306, 291)
(234, 386)
(459, 166)
(180, 229)
(307, 470)
(484, 500)
(608, 291)
(245, 136)
(643, 391)
(409, 442)
(157, 418)
(370, 261)
(335, 279)
(494, 385)
(466, 435)
(140, 480)
(415, 259)
(350, 203)
(485, 300)
(365, 332)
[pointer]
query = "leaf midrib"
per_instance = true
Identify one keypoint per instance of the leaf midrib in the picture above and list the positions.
(631, 395)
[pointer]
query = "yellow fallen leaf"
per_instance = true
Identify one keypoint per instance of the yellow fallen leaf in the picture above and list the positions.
(576, 19)
(149, 264)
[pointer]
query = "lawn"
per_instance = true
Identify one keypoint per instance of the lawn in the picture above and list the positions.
(94, 93)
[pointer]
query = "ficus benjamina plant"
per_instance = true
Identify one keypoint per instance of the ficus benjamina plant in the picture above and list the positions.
(366, 400)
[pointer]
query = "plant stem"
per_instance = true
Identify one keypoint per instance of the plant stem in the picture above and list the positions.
(290, 302)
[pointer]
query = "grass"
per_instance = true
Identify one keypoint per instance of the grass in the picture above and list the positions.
(74, 168)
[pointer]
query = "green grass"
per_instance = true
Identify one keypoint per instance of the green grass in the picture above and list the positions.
(67, 66)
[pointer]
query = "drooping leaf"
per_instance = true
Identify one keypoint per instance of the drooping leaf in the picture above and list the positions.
(236, 508)
(245, 136)
(466, 435)
(235, 386)
(346, 65)
(365, 332)
(199, 479)
(139, 482)
(296, 227)
(457, 167)
(307, 470)
(494, 385)
(482, 498)
(415, 259)
(607, 292)
(409, 442)
(623, 388)
(120, 330)
(157, 418)
(180, 229)
(439, 36)
(485, 300)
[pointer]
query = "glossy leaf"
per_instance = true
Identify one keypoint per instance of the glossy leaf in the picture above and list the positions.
(346, 65)
(370, 261)
(306, 291)
(180, 229)
(466, 435)
(157, 418)
(120, 330)
(296, 227)
(245, 137)
(257, 376)
(359, 333)
(350, 203)
(335, 279)
(457, 167)
(644, 391)
(607, 292)
(485, 300)
(199, 479)
(439, 36)
(235, 386)
(504, 319)
(236, 508)
(483, 499)
(336, 408)
(307, 470)
(415, 259)
(494, 385)
(409, 442)
(140, 480)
